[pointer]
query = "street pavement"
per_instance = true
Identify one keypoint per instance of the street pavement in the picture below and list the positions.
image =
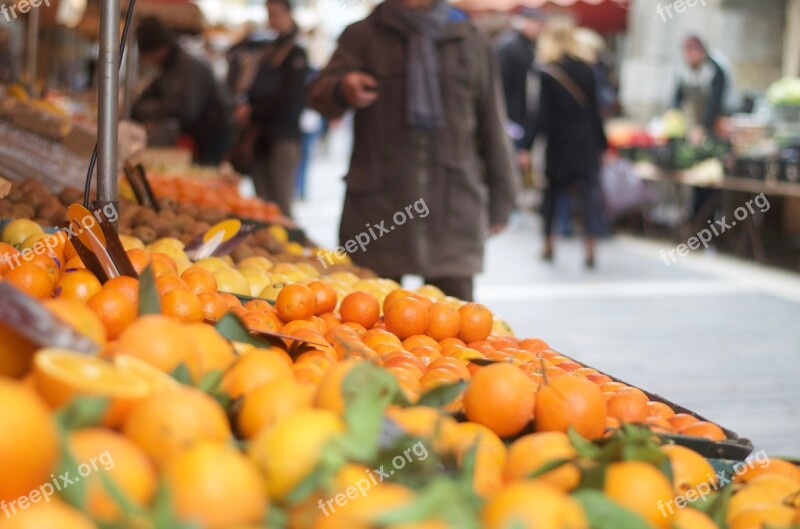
(714, 334)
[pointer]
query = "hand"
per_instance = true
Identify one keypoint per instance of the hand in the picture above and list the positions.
(497, 229)
(524, 159)
(242, 114)
(359, 89)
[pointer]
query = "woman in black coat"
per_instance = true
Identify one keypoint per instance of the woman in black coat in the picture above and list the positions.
(570, 118)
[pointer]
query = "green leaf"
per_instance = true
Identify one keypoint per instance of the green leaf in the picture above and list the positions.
(119, 497)
(162, 515)
(716, 505)
(82, 412)
(483, 362)
(603, 513)
(232, 328)
(583, 446)
(211, 381)
(182, 374)
(277, 518)
(441, 396)
(72, 491)
(367, 391)
(441, 499)
(547, 467)
(149, 301)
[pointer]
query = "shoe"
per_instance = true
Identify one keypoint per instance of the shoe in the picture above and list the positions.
(590, 263)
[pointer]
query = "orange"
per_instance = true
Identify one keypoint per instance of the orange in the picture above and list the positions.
(641, 488)
(770, 466)
(747, 499)
(80, 318)
(105, 455)
(173, 347)
(263, 407)
(213, 351)
(327, 297)
(163, 264)
(329, 396)
(213, 305)
(74, 264)
(32, 279)
(182, 305)
(490, 453)
(627, 406)
(214, 485)
(7, 258)
(782, 489)
(199, 280)
(230, 300)
(571, 401)
(501, 397)
(476, 322)
(361, 308)
(443, 321)
(529, 453)
(167, 423)
(16, 352)
(533, 504)
(420, 340)
(61, 375)
(689, 469)
(419, 421)
(659, 409)
(406, 317)
(254, 369)
(365, 512)
(262, 322)
(259, 305)
(139, 259)
(167, 283)
(79, 285)
(764, 516)
(29, 447)
(51, 513)
(155, 379)
(115, 309)
(689, 518)
(289, 451)
(682, 420)
(704, 429)
(296, 302)
(394, 295)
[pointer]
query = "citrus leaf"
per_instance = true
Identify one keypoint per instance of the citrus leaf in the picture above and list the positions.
(441, 396)
(603, 513)
(232, 328)
(72, 491)
(82, 412)
(547, 467)
(211, 381)
(583, 446)
(441, 499)
(149, 302)
(182, 374)
(483, 362)
(716, 506)
(119, 497)
(162, 515)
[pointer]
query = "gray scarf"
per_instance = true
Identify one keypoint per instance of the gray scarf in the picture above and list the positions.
(423, 30)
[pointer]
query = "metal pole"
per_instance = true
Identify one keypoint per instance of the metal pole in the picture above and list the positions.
(131, 73)
(32, 50)
(108, 104)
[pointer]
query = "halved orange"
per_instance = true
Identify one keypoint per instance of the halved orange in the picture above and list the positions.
(61, 375)
(156, 379)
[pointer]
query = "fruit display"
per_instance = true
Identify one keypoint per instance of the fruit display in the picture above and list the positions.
(333, 402)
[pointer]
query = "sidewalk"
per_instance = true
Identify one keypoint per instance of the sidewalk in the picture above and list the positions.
(716, 335)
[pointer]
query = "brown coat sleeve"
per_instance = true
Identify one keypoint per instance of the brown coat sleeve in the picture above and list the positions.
(495, 145)
(323, 94)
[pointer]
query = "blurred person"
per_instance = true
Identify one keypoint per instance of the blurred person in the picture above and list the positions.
(185, 90)
(516, 51)
(428, 126)
(570, 119)
(591, 47)
(702, 89)
(274, 103)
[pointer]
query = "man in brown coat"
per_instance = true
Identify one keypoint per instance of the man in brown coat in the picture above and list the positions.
(428, 132)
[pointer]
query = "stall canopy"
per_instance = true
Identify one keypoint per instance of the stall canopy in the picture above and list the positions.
(605, 16)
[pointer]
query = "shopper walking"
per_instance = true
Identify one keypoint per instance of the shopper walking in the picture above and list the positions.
(428, 126)
(576, 141)
(275, 101)
(185, 91)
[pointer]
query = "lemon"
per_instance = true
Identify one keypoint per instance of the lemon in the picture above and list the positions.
(18, 231)
(232, 281)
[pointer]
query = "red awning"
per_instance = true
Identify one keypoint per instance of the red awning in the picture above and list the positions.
(604, 16)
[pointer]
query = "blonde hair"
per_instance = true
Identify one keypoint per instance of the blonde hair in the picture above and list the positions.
(557, 41)
(590, 44)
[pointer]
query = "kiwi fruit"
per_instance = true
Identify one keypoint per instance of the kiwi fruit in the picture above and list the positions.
(146, 234)
(211, 215)
(23, 211)
(144, 217)
(242, 252)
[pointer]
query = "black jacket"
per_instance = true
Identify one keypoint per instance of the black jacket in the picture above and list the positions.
(716, 86)
(277, 95)
(576, 139)
(187, 90)
(516, 58)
